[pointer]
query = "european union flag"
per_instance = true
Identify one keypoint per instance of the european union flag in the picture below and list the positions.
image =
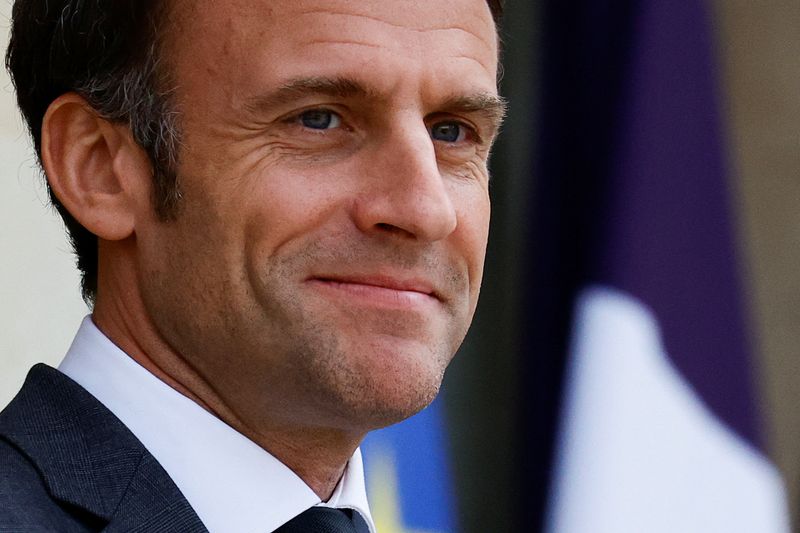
(408, 477)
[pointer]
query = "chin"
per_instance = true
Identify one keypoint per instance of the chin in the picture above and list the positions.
(387, 407)
(381, 388)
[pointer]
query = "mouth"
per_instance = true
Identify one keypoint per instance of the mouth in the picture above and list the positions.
(382, 291)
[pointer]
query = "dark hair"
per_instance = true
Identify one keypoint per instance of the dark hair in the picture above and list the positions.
(497, 9)
(109, 52)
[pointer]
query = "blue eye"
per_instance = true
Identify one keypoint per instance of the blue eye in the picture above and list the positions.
(320, 119)
(449, 132)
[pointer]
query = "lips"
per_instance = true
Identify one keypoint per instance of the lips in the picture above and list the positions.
(379, 289)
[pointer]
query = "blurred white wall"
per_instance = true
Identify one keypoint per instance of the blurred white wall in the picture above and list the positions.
(40, 303)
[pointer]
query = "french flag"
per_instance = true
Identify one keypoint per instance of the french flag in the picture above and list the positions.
(659, 428)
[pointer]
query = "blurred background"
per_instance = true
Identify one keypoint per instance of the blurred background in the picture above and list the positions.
(701, 100)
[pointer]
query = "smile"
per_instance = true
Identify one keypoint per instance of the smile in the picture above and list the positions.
(378, 291)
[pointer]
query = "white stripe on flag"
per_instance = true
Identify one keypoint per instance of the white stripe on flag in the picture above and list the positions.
(639, 451)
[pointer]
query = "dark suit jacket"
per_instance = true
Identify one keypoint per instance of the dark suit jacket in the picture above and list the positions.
(67, 464)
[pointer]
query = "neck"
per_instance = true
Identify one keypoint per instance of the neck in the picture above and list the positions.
(317, 455)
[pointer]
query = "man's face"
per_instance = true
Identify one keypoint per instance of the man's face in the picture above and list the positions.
(327, 256)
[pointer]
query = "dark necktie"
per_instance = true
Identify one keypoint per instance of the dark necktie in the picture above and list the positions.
(325, 520)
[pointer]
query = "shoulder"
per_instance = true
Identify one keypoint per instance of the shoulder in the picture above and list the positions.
(35, 417)
(68, 465)
(25, 503)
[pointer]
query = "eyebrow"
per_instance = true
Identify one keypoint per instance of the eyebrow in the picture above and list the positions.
(491, 105)
(298, 88)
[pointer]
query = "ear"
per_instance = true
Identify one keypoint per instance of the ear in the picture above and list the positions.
(95, 169)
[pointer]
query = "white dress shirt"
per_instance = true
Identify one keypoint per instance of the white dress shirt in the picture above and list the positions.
(234, 485)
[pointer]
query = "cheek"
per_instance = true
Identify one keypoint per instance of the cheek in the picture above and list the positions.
(283, 207)
(468, 243)
(473, 230)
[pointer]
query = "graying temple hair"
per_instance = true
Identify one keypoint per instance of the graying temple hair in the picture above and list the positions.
(137, 97)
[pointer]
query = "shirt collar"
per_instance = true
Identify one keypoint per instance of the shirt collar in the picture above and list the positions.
(239, 487)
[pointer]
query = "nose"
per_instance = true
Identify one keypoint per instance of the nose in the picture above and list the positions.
(405, 192)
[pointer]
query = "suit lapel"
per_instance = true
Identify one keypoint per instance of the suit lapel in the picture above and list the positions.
(88, 458)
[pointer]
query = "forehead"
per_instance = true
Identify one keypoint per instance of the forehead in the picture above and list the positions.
(260, 41)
